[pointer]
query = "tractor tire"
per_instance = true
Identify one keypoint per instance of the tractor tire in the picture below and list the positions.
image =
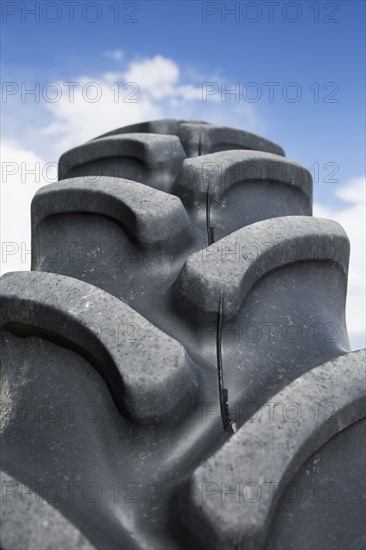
(175, 368)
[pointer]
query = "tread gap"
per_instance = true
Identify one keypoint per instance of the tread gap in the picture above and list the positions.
(228, 424)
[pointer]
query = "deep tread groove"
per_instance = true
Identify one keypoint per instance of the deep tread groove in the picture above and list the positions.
(227, 423)
(210, 229)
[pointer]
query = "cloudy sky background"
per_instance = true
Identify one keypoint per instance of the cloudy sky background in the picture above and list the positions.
(168, 50)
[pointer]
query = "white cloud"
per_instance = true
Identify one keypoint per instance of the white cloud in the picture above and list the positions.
(22, 173)
(147, 89)
(157, 76)
(116, 55)
(352, 218)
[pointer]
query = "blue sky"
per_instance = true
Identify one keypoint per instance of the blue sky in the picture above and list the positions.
(171, 51)
(304, 52)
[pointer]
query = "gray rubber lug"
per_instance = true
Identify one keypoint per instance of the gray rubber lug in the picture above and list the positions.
(152, 219)
(271, 452)
(31, 523)
(200, 138)
(163, 126)
(148, 373)
(225, 169)
(234, 264)
(324, 504)
(152, 159)
(283, 285)
(244, 187)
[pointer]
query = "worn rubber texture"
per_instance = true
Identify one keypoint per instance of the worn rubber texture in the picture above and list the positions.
(199, 138)
(175, 370)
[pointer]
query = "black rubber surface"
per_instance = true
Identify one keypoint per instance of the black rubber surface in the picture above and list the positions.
(175, 370)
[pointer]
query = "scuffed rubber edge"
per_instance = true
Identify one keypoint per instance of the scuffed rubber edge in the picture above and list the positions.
(151, 218)
(201, 138)
(162, 126)
(271, 452)
(225, 169)
(148, 373)
(153, 151)
(234, 264)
